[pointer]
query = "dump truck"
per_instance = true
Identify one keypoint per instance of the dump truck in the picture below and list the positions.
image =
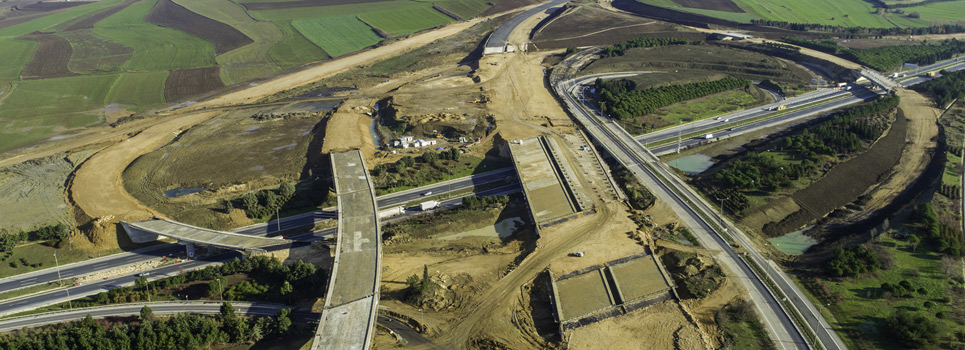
(781, 107)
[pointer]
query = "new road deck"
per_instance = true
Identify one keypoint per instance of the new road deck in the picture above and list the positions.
(545, 185)
(348, 319)
(149, 230)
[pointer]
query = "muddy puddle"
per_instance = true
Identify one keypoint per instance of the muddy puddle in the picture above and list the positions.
(178, 192)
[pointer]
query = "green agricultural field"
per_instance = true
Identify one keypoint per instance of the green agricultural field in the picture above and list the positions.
(289, 14)
(155, 47)
(138, 89)
(947, 11)
(93, 54)
(45, 22)
(295, 50)
(337, 35)
(250, 61)
(13, 56)
(56, 97)
(405, 20)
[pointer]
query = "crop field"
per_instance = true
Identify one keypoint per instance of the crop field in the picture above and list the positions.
(405, 20)
(224, 37)
(285, 4)
(337, 35)
(295, 49)
(594, 26)
(155, 47)
(89, 21)
(947, 11)
(55, 97)
(184, 83)
(92, 54)
(849, 13)
(464, 8)
(138, 89)
(50, 58)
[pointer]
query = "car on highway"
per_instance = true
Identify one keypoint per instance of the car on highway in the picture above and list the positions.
(143, 274)
(427, 193)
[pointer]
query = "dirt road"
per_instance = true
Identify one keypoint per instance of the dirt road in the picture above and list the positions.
(920, 141)
(97, 189)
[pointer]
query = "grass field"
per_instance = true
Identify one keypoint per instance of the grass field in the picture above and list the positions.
(406, 20)
(289, 14)
(337, 35)
(464, 8)
(295, 49)
(38, 102)
(861, 307)
(155, 47)
(253, 60)
(138, 89)
(709, 106)
(949, 11)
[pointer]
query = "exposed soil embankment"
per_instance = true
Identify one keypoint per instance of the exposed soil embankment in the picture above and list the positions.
(846, 182)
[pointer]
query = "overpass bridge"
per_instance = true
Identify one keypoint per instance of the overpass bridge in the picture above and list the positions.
(881, 81)
(499, 42)
(349, 316)
(151, 230)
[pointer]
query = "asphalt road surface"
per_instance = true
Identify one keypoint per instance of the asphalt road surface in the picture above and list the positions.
(500, 36)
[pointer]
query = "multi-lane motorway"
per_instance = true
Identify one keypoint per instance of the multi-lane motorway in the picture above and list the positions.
(88, 267)
(701, 219)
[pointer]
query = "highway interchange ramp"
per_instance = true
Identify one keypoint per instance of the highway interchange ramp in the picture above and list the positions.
(149, 230)
(348, 319)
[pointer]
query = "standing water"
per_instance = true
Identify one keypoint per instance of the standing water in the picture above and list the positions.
(692, 164)
(794, 243)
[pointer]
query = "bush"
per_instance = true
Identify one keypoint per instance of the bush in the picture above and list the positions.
(913, 330)
(852, 261)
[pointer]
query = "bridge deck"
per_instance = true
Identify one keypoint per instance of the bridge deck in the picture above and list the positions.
(199, 235)
(348, 320)
(544, 187)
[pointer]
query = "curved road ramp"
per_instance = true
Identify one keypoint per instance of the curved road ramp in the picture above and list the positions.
(150, 230)
(348, 319)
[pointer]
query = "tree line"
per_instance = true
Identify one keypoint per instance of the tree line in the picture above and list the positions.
(410, 171)
(944, 89)
(944, 238)
(182, 331)
(845, 132)
(272, 281)
(857, 32)
(620, 48)
(630, 104)
(884, 58)
(52, 235)
(263, 204)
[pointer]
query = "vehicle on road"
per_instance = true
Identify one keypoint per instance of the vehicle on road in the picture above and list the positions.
(426, 193)
(143, 274)
(578, 254)
(708, 136)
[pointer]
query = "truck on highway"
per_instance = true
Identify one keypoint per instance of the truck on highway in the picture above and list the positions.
(708, 136)
(781, 107)
(427, 205)
(391, 212)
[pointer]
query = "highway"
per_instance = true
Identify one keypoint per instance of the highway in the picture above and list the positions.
(703, 221)
(158, 308)
(42, 299)
(84, 268)
(500, 36)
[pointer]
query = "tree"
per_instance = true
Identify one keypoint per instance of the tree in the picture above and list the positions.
(286, 289)
(216, 287)
(914, 330)
(227, 205)
(140, 282)
(147, 315)
(251, 201)
(430, 157)
(915, 14)
(227, 312)
(283, 321)
(287, 190)
(913, 242)
(404, 163)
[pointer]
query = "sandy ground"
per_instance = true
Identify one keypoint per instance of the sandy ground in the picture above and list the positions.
(97, 189)
(521, 102)
(920, 140)
(349, 128)
(656, 327)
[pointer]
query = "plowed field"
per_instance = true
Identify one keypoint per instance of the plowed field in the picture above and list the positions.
(183, 83)
(89, 22)
(49, 6)
(50, 58)
(224, 37)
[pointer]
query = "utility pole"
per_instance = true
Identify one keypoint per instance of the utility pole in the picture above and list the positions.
(278, 221)
(59, 280)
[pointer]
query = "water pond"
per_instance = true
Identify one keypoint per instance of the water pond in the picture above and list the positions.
(692, 164)
(794, 243)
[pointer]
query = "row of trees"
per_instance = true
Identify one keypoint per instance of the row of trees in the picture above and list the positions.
(635, 103)
(847, 131)
(410, 171)
(185, 332)
(265, 202)
(945, 89)
(855, 32)
(295, 281)
(884, 58)
(945, 239)
(53, 235)
(620, 49)
(483, 202)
